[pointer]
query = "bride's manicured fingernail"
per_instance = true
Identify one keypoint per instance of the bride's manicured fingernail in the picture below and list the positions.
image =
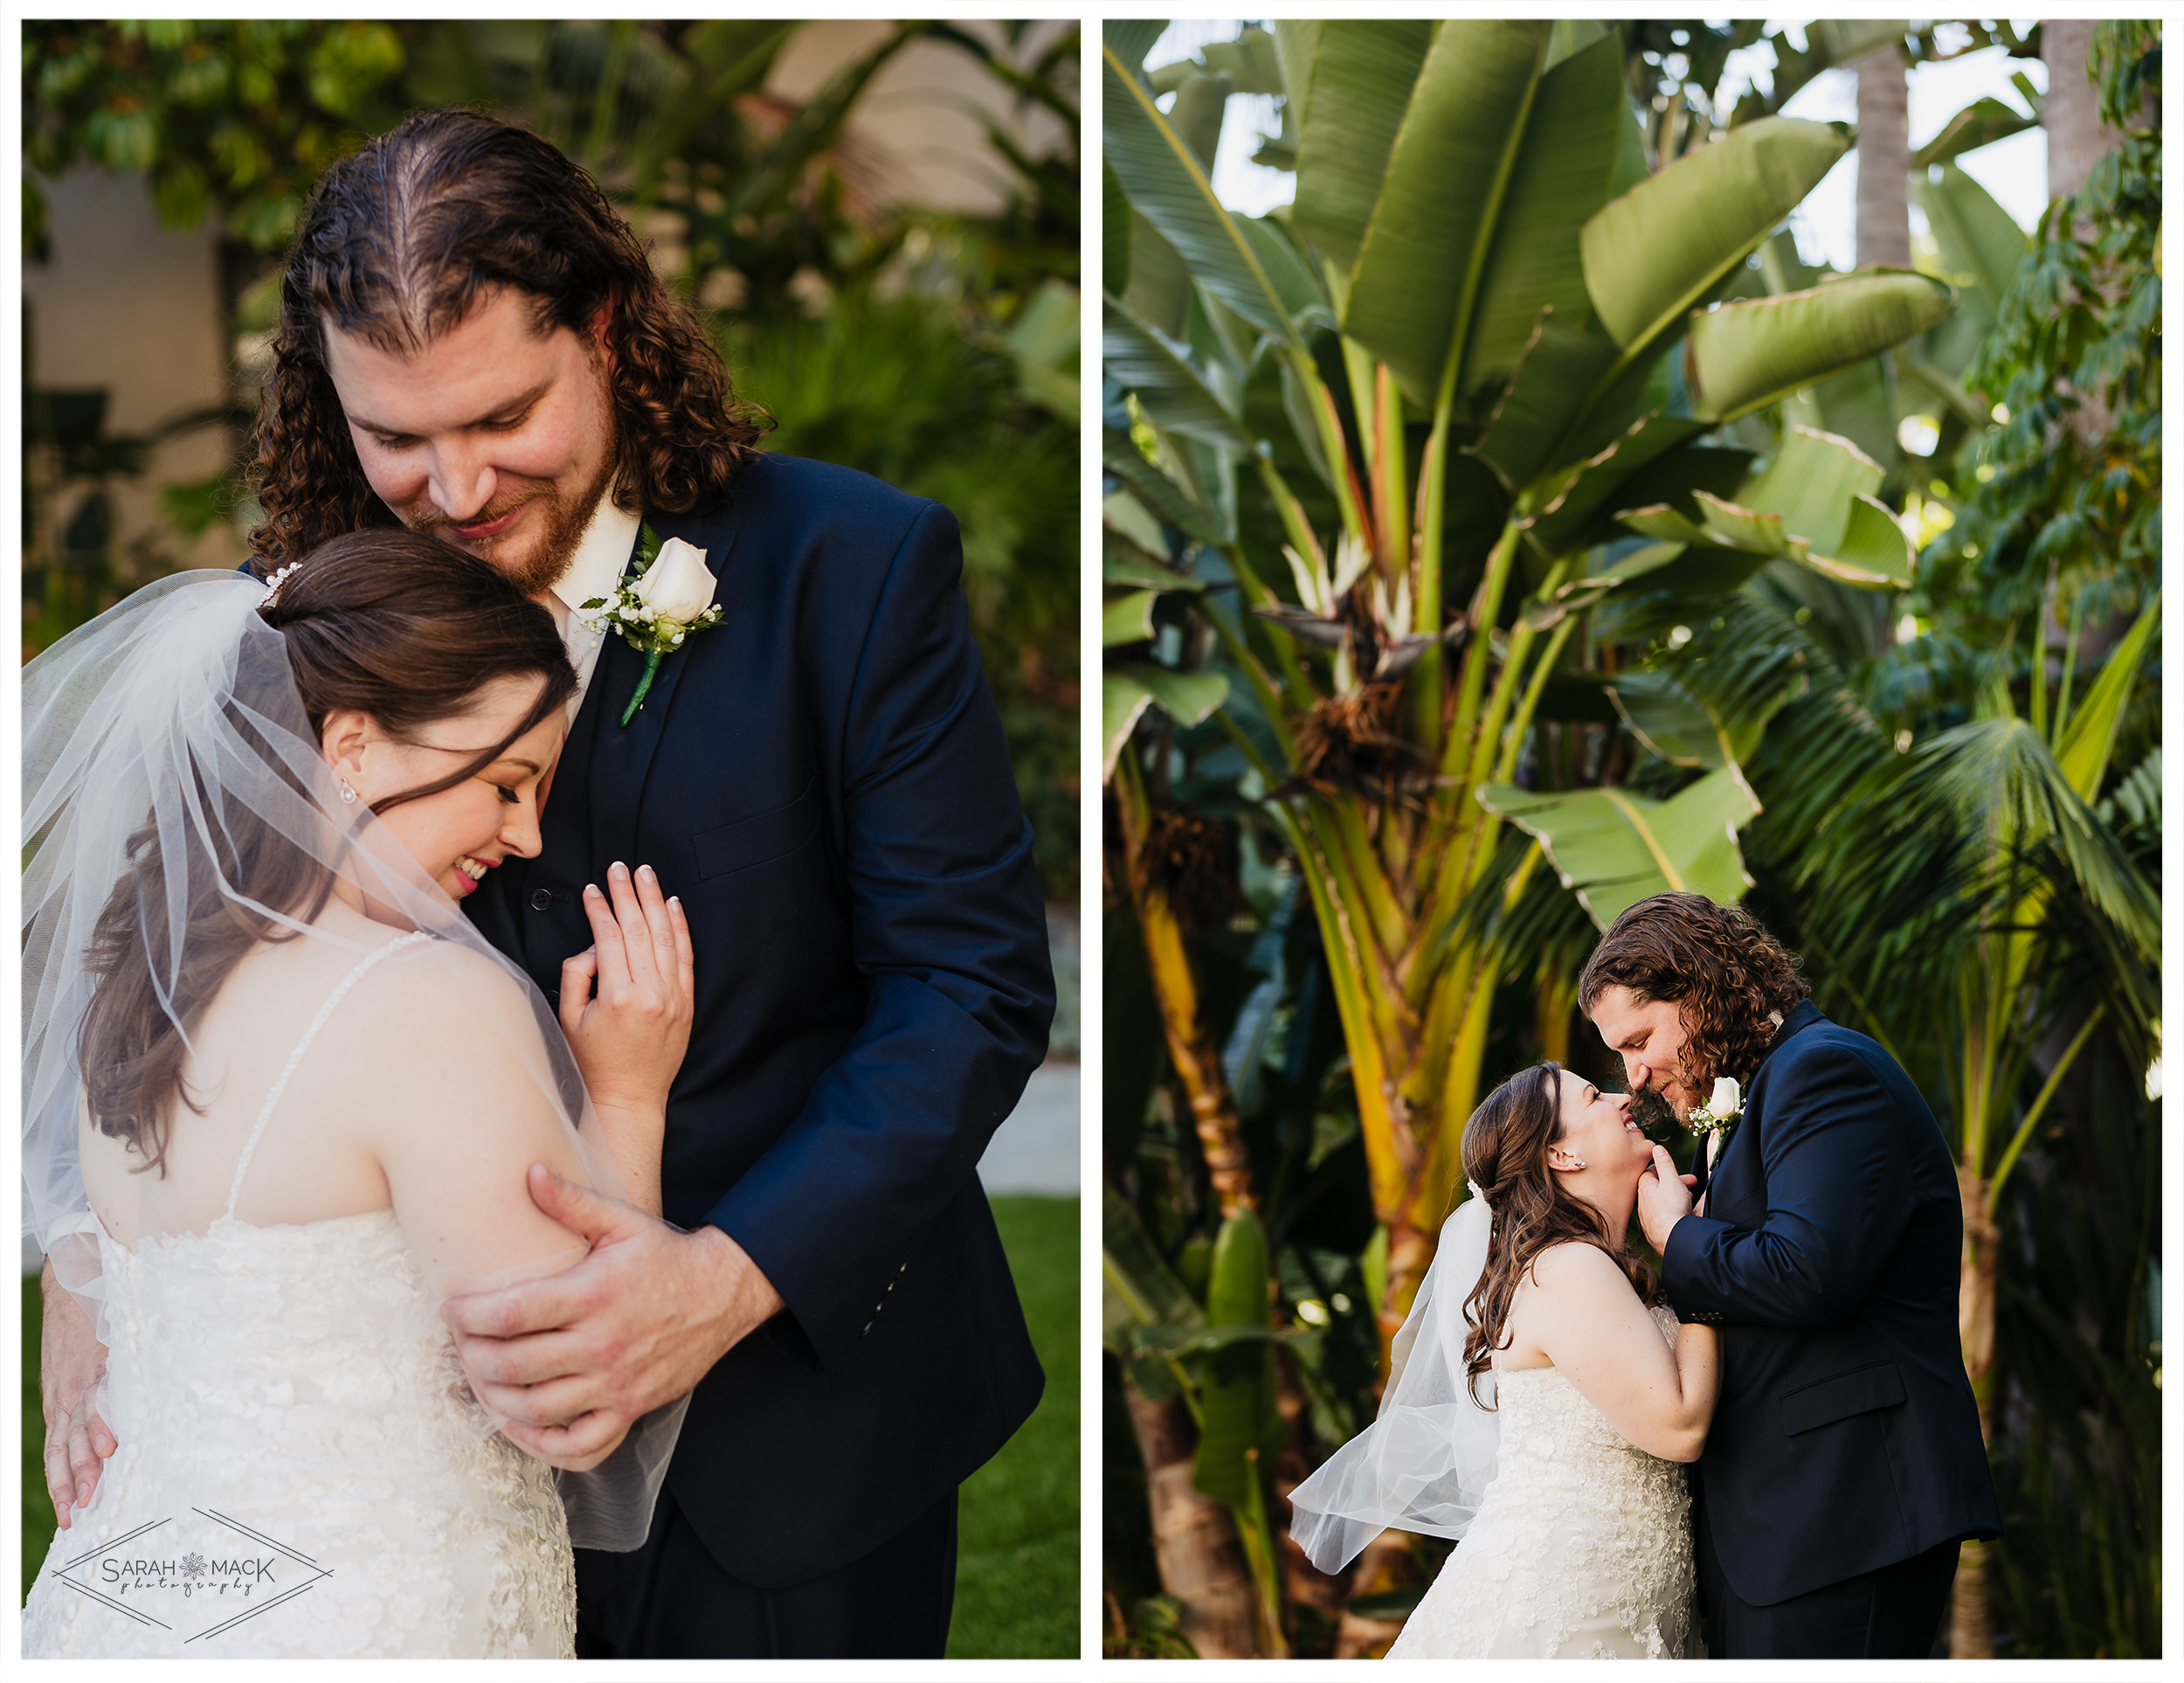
(646, 872)
(618, 869)
(591, 888)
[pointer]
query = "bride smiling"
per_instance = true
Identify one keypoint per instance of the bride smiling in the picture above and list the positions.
(1541, 1400)
(281, 1101)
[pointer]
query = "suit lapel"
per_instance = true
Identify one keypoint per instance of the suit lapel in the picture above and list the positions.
(1803, 1017)
(621, 756)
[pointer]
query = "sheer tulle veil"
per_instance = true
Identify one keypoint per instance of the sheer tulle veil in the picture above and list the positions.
(173, 723)
(1425, 1463)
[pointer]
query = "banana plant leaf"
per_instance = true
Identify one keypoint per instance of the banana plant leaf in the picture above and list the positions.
(1613, 848)
(1138, 1288)
(1982, 244)
(1708, 705)
(1670, 720)
(1168, 500)
(1131, 39)
(1127, 690)
(1558, 510)
(1585, 592)
(1813, 505)
(1981, 123)
(1114, 225)
(1434, 216)
(1239, 1430)
(1124, 564)
(1251, 61)
(1654, 253)
(1755, 351)
(1125, 520)
(1169, 186)
(1564, 171)
(1350, 88)
(1128, 619)
(1175, 394)
(1556, 367)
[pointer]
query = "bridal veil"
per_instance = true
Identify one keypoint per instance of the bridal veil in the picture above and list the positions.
(1425, 1463)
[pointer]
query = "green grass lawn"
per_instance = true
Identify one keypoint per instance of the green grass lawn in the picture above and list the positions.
(1016, 1576)
(1016, 1571)
(37, 1507)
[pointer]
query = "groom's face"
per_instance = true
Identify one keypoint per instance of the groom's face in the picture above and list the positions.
(1649, 1035)
(497, 436)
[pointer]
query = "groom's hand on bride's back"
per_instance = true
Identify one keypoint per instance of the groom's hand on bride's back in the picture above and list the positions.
(573, 1359)
(71, 1363)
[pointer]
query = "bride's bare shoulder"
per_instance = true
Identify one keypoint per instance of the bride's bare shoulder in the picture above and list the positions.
(433, 989)
(1574, 1266)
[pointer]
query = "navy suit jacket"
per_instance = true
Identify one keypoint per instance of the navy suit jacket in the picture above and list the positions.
(821, 776)
(1846, 1437)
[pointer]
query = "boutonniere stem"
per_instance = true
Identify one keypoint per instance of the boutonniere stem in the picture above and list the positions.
(671, 597)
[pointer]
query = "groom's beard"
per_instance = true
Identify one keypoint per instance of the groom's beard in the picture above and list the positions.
(1652, 1112)
(566, 516)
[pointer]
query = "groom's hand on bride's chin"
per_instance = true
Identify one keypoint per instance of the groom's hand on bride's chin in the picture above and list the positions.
(635, 1325)
(1664, 1199)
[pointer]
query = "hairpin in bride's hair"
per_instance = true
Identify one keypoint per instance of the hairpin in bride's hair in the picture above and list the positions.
(274, 585)
(1479, 1192)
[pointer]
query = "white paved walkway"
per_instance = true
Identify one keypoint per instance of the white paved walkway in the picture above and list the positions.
(1036, 1149)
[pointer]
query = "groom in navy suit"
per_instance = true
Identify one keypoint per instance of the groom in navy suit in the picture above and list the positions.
(474, 343)
(1845, 1463)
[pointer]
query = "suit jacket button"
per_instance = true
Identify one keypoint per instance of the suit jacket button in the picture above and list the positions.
(541, 898)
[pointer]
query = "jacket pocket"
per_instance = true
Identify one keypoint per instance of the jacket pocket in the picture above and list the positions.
(1825, 1401)
(756, 840)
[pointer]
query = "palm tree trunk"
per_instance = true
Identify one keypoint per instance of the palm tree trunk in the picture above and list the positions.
(2077, 138)
(1190, 1044)
(1970, 1620)
(1194, 1539)
(1883, 226)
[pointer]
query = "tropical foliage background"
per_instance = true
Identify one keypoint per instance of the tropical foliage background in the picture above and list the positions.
(1513, 526)
(938, 351)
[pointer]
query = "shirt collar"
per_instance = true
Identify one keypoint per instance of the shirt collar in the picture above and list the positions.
(602, 553)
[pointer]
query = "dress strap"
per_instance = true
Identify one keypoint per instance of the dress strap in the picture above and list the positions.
(280, 1082)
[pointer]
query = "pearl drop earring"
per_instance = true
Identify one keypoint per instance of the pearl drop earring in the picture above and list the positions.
(348, 796)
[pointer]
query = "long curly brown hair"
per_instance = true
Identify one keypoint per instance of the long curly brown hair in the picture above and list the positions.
(401, 242)
(1723, 971)
(1505, 1156)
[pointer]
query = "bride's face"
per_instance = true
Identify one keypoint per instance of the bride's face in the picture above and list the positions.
(461, 833)
(1599, 1131)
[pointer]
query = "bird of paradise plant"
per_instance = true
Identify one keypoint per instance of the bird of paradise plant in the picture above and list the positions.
(1480, 316)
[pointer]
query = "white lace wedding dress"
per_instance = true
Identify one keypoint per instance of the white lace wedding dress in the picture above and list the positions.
(302, 1470)
(1581, 1548)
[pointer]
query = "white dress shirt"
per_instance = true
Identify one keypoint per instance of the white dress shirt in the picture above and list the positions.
(602, 554)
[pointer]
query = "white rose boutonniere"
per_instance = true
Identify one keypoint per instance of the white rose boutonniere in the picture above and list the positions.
(656, 611)
(1720, 1113)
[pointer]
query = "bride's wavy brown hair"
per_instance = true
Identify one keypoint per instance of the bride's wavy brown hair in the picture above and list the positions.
(395, 625)
(1505, 1156)
(401, 242)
